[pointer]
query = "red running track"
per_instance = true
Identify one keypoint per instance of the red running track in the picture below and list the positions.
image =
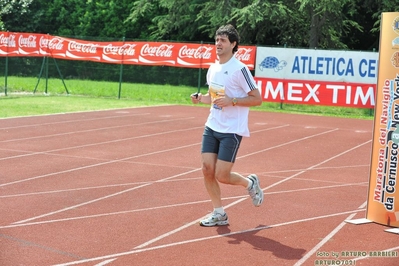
(124, 187)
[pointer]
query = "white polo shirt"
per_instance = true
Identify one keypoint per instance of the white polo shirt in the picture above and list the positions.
(233, 79)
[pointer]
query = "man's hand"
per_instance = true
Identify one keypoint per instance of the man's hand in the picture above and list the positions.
(196, 97)
(223, 101)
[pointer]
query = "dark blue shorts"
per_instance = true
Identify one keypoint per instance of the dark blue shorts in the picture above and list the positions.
(225, 145)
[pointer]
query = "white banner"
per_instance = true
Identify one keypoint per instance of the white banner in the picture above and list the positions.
(316, 65)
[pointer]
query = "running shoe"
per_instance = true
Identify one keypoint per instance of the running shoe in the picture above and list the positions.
(255, 191)
(215, 219)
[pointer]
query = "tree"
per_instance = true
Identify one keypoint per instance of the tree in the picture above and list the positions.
(106, 18)
(328, 21)
(298, 23)
(381, 6)
(10, 7)
(169, 19)
(325, 24)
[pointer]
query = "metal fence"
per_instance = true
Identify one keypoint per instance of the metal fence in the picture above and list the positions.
(83, 70)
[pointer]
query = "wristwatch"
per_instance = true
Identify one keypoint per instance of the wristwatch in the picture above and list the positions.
(234, 101)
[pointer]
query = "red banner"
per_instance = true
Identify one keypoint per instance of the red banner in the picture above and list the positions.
(188, 55)
(19, 44)
(357, 95)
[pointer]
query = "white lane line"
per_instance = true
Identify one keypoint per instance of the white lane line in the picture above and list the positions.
(170, 206)
(95, 129)
(275, 184)
(97, 164)
(71, 121)
(343, 223)
(325, 240)
(135, 251)
(79, 205)
(333, 184)
(317, 168)
(105, 262)
(103, 214)
(127, 190)
(183, 227)
(98, 199)
(316, 165)
(23, 243)
(240, 200)
(105, 197)
(49, 152)
(290, 142)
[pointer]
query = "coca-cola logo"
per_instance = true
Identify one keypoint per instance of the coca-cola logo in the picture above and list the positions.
(87, 48)
(164, 50)
(7, 41)
(126, 49)
(203, 52)
(52, 44)
(29, 41)
(243, 54)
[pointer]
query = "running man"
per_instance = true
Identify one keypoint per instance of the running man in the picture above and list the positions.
(232, 90)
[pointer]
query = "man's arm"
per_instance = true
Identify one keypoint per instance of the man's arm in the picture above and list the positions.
(200, 98)
(253, 99)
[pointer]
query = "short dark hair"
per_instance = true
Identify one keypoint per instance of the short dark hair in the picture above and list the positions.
(231, 33)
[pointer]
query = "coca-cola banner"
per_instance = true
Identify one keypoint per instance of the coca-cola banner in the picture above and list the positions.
(190, 55)
(19, 44)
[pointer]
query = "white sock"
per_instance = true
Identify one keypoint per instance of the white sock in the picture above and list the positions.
(250, 183)
(219, 210)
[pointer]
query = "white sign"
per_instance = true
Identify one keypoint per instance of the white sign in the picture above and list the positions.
(316, 65)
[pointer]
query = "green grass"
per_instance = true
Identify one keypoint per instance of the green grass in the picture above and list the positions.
(27, 96)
